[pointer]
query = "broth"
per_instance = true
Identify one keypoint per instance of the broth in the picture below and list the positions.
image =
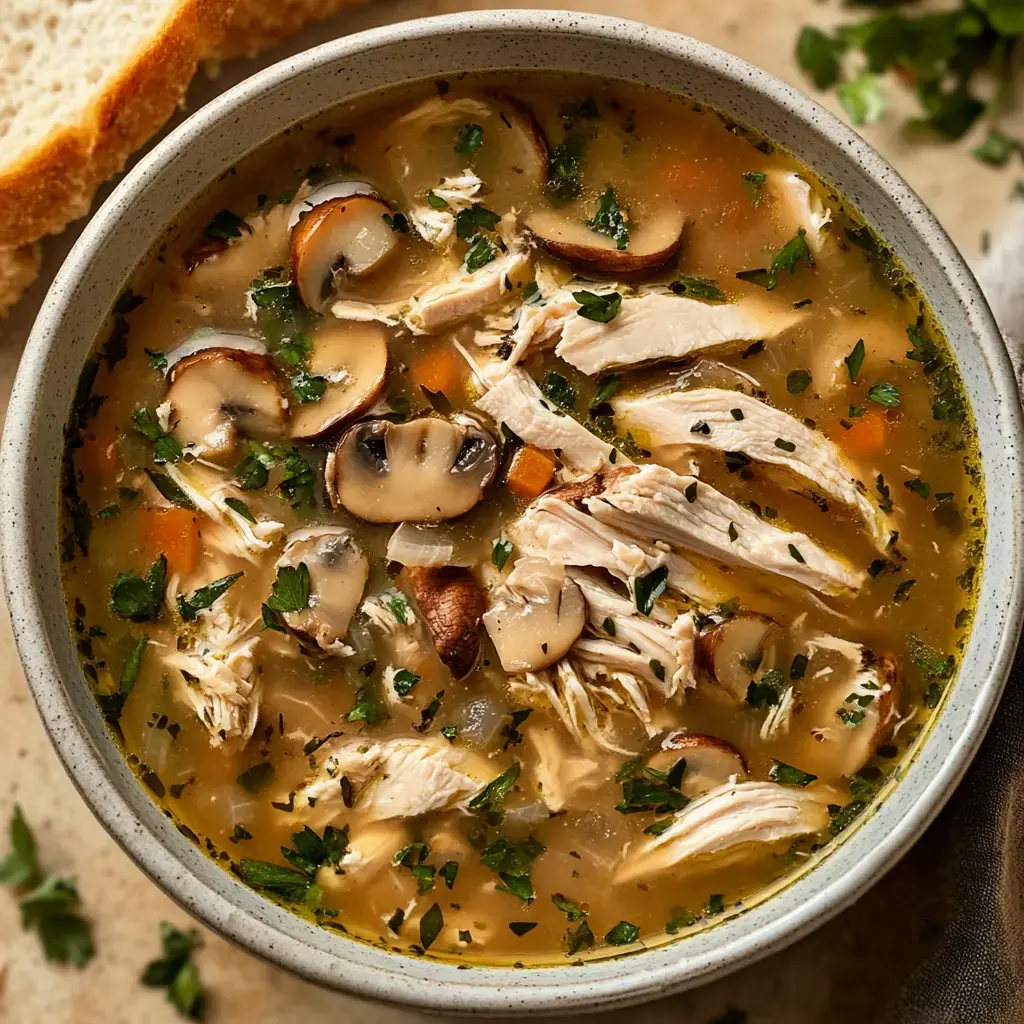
(770, 617)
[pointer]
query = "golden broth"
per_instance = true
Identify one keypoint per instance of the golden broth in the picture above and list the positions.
(660, 153)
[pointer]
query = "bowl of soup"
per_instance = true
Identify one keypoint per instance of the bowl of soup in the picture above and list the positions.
(501, 539)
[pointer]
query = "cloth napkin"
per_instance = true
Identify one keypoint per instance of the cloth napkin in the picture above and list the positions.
(976, 973)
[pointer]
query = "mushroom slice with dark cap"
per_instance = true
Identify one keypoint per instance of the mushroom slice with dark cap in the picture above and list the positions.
(423, 471)
(353, 360)
(651, 245)
(535, 616)
(452, 603)
(338, 570)
(219, 391)
(337, 240)
(710, 762)
(734, 651)
(309, 198)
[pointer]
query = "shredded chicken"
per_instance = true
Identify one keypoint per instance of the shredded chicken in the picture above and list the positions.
(658, 648)
(517, 402)
(562, 779)
(438, 226)
(654, 502)
(661, 325)
(724, 819)
(706, 417)
(215, 674)
(466, 294)
(396, 778)
(564, 535)
(802, 206)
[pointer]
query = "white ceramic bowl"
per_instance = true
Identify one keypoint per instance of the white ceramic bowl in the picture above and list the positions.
(183, 166)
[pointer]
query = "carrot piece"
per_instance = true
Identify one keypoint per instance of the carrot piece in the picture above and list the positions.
(530, 473)
(865, 437)
(175, 533)
(438, 370)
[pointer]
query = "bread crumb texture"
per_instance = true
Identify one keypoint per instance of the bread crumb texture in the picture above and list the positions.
(82, 85)
(18, 269)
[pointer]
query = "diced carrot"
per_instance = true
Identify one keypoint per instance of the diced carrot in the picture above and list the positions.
(530, 473)
(438, 370)
(865, 437)
(175, 533)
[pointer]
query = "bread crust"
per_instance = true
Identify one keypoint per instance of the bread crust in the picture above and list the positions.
(18, 269)
(54, 182)
(257, 25)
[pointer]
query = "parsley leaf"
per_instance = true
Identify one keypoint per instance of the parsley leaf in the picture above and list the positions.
(492, 796)
(565, 170)
(189, 607)
(20, 866)
(887, 395)
(862, 98)
(601, 309)
(647, 589)
(138, 599)
(500, 553)
(480, 253)
(610, 220)
(513, 863)
(469, 139)
(819, 54)
(622, 934)
(290, 592)
(703, 288)
(175, 971)
(787, 775)
(797, 381)
(558, 389)
(855, 360)
(431, 924)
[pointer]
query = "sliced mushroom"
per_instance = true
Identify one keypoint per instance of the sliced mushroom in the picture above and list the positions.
(710, 762)
(338, 570)
(323, 192)
(422, 471)
(734, 651)
(452, 603)
(217, 392)
(205, 338)
(535, 616)
(425, 145)
(651, 244)
(339, 239)
(353, 359)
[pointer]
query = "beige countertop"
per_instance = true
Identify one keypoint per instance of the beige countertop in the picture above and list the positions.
(823, 978)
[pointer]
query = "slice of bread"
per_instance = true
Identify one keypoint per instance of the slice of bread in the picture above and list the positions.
(257, 25)
(82, 85)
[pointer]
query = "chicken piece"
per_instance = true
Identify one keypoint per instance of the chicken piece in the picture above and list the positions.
(208, 488)
(465, 294)
(562, 689)
(660, 325)
(215, 674)
(706, 418)
(654, 502)
(722, 820)
(517, 402)
(801, 207)
(556, 530)
(537, 326)
(396, 778)
(562, 778)
(658, 649)
(387, 313)
(438, 226)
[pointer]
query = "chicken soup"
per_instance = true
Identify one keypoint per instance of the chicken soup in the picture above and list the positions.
(519, 519)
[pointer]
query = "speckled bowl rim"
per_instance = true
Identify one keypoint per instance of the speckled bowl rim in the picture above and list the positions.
(207, 144)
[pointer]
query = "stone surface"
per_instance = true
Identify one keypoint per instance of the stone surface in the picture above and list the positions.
(831, 976)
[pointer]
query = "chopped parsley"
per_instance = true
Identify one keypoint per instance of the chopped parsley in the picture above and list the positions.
(492, 796)
(797, 381)
(225, 226)
(622, 934)
(405, 681)
(601, 309)
(855, 360)
(787, 775)
(481, 252)
(610, 220)
(788, 258)
(469, 139)
(572, 910)
(647, 589)
(204, 597)
(165, 447)
(565, 170)
(138, 599)
(887, 395)
(581, 938)
(49, 904)
(702, 288)
(174, 971)
(501, 552)
(513, 864)
(290, 592)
